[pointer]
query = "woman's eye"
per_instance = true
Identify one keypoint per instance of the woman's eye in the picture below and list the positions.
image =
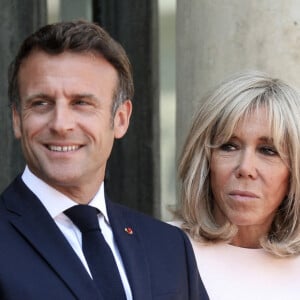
(228, 147)
(268, 150)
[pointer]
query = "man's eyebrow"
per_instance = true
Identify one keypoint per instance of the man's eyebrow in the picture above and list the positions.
(83, 95)
(48, 97)
(37, 95)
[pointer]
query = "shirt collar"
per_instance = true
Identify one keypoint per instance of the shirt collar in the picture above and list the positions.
(54, 201)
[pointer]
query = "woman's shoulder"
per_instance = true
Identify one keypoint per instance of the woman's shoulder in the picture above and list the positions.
(176, 223)
(195, 243)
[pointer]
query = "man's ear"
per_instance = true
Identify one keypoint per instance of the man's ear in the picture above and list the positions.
(16, 122)
(122, 118)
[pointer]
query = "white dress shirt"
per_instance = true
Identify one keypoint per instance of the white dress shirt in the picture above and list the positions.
(56, 203)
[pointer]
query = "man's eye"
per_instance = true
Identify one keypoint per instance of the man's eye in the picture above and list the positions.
(81, 102)
(39, 103)
(228, 147)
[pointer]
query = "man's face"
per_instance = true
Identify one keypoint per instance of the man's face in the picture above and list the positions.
(65, 123)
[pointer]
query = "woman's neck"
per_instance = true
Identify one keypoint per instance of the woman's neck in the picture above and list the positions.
(248, 237)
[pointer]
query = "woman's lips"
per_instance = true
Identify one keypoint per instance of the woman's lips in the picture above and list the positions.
(241, 195)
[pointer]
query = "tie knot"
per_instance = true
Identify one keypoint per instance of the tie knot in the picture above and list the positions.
(84, 217)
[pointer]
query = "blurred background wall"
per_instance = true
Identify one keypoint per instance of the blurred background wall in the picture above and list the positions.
(216, 38)
(179, 50)
(134, 170)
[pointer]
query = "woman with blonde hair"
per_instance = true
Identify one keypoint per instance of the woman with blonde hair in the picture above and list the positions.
(240, 189)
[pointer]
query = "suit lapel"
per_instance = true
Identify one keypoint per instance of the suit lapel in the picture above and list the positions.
(126, 234)
(32, 220)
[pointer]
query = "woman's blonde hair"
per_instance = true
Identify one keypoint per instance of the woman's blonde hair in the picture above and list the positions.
(216, 118)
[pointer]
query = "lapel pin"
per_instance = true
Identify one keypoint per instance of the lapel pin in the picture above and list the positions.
(128, 230)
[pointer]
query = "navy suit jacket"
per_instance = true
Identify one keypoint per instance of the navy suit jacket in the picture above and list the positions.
(37, 262)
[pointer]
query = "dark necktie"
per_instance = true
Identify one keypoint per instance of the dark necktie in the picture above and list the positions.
(97, 252)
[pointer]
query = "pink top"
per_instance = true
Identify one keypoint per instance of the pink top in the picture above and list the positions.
(235, 273)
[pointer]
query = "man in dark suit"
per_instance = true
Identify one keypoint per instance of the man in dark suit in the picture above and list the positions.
(70, 87)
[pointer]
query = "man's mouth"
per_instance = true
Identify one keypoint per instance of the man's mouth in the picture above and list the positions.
(63, 148)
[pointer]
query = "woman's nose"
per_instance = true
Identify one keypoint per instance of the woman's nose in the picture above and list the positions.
(246, 165)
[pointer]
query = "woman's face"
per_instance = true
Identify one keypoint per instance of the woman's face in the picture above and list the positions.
(249, 180)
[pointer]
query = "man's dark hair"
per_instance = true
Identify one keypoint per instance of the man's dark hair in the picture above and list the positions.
(78, 36)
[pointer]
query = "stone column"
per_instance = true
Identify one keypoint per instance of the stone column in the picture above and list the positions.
(18, 19)
(134, 170)
(216, 38)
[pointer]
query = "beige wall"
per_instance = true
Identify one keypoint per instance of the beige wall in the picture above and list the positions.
(216, 38)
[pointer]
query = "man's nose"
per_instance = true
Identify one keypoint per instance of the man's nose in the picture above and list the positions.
(63, 119)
